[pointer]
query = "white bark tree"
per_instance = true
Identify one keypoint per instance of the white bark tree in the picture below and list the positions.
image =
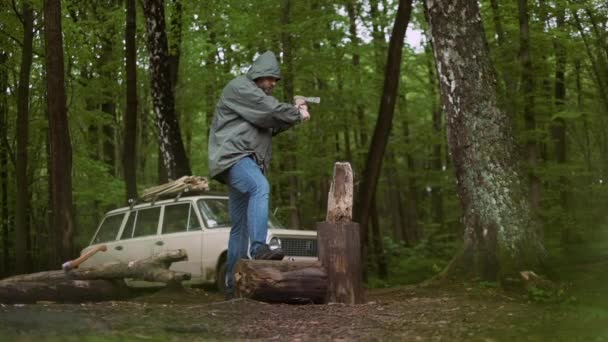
(501, 235)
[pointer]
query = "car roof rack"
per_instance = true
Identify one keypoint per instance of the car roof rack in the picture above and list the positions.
(185, 186)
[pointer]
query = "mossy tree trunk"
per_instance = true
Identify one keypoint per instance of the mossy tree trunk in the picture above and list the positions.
(501, 236)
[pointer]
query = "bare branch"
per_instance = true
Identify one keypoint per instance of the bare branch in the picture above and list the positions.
(17, 12)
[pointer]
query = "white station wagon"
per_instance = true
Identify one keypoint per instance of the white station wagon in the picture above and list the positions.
(199, 224)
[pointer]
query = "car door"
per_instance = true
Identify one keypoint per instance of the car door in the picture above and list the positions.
(139, 235)
(106, 234)
(214, 212)
(181, 229)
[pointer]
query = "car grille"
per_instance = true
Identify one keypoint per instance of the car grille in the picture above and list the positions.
(299, 247)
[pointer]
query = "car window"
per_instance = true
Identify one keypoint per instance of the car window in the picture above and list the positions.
(108, 229)
(146, 222)
(177, 219)
(127, 233)
(215, 212)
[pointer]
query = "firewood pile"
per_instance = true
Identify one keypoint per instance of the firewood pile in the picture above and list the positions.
(186, 185)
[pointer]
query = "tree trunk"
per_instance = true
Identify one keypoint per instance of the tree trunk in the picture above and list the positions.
(130, 139)
(172, 149)
(351, 7)
(558, 127)
(379, 141)
(60, 145)
(175, 42)
(22, 262)
(500, 232)
(509, 82)
(395, 199)
(436, 154)
(527, 92)
(378, 244)
(412, 232)
(288, 90)
(108, 107)
(281, 281)
(4, 216)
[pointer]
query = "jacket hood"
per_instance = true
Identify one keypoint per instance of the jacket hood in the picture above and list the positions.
(265, 65)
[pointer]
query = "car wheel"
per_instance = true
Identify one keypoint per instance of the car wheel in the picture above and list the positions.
(220, 278)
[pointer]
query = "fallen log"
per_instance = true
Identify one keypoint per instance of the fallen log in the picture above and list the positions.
(293, 282)
(102, 282)
(65, 291)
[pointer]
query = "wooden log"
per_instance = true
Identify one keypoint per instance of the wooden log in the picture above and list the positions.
(340, 254)
(339, 241)
(340, 199)
(293, 282)
(154, 268)
(65, 291)
(102, 282)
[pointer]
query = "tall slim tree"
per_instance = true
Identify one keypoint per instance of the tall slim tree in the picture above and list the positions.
(529, 109)
(384, 122)
(500, 232)
(130, 140)
(60, 145)
(4, 218)
(23, 112)
(170, 141)
(288, 91)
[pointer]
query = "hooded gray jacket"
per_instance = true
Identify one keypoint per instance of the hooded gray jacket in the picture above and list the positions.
(245, 119)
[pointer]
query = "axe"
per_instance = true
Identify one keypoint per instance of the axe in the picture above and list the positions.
(69, 265)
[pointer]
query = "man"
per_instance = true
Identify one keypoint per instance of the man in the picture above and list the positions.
(245, 119)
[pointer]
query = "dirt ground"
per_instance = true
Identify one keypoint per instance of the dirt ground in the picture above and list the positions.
(412, 313)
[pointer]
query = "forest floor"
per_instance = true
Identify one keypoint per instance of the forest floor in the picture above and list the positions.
(450, 312)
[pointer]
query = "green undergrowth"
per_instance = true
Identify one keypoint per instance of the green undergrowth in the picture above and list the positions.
(411, 265)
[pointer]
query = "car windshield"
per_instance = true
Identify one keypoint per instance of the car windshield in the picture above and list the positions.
(215, 214)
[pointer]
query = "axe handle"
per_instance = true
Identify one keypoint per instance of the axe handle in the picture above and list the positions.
(74, 263)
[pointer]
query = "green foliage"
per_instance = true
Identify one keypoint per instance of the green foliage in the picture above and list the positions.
(409, 265)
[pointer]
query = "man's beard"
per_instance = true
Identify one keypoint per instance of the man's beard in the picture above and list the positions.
(268, 91)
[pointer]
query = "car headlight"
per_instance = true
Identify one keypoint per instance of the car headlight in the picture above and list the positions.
(274, 243)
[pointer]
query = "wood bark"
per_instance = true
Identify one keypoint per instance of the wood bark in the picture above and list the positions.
(170, 141)
(382, 130)
(130, 139)
(22, 264)
(60, 145)
(340, 198)
(500, 232)
(340, 254)
(281, 281)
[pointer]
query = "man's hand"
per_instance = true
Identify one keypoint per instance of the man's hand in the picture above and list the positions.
(300, 103)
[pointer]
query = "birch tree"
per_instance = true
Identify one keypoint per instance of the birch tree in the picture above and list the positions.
(170, 141)
(500, 235)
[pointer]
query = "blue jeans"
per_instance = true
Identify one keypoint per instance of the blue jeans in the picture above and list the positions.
(248, 202)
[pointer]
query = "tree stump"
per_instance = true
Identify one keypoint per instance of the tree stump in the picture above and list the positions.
(293, 282)
(339, 241)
